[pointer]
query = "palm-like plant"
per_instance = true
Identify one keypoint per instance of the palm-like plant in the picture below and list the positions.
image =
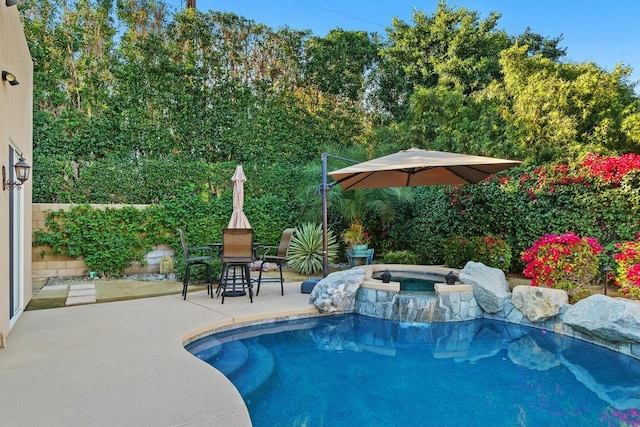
(305, 251)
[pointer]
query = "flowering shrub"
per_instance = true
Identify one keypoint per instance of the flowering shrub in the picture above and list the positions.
(611, 169)
(490, 249)
(564, 261)
(628, 271)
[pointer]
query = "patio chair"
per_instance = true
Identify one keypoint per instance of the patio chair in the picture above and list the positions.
(236, 254)
(195, 256)
(276, 255)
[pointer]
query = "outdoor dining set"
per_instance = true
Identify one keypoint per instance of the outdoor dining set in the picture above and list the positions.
(238, 253)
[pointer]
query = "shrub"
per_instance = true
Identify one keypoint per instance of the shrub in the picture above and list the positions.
(628, 270)
(305, 251)
(108, 239)
(564, 261)
(399, 257)
(458, 251)
(492, 251)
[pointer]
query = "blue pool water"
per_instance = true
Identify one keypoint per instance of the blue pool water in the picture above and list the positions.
(353, 370)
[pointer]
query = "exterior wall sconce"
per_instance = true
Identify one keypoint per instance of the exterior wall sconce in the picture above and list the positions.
(22, 173)
(9, 77)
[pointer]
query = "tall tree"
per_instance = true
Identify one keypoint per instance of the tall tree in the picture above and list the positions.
(554, 109)
(338, 63)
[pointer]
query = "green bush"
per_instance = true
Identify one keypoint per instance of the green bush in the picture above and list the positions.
(492, 252)
(458, 251)
(108, 239)
(399, 257)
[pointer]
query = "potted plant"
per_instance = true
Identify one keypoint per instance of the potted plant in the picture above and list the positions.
(355, 237)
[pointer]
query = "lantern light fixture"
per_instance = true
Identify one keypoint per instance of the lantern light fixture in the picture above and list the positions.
(9, 78)
(22, 169)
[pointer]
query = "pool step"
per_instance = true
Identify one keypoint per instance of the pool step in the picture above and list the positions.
(247, 363)
(257, 372)
(206, 350)
(231, 358)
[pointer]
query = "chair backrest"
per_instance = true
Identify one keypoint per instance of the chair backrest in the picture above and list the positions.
(183, 242)
(237, 245)
(285, 241)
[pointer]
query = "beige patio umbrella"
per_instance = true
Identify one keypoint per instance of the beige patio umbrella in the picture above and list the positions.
(238, 218)
(415, 167)
(408, 168)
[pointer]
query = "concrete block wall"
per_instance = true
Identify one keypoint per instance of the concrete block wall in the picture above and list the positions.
(66, 266)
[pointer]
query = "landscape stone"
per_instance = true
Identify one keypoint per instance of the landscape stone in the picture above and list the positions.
(490, 287)
(337, 292)
(611, 319)
(538, 303)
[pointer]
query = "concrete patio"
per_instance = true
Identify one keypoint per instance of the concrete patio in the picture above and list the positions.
(124, 364)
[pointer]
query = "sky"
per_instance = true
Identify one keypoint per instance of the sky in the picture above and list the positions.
(606, 32)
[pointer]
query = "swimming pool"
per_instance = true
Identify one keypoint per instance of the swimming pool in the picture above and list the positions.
(355, 370)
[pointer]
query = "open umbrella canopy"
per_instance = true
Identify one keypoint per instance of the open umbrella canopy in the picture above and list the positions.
(415, 167)
(238, 218)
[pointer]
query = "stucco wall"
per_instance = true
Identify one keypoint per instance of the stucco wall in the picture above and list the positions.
(16, 130)
(47, 266)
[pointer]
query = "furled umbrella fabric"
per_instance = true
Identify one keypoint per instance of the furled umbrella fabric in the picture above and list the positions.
(238, 218)
(415, 167)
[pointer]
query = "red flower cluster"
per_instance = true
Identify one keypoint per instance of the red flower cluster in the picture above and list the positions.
(628, 271)
(556, 259)
(611, 169)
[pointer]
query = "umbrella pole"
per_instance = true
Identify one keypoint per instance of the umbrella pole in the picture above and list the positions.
(325, 221)
(324, 188)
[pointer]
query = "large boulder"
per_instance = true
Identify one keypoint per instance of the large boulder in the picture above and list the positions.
(337, 291)
(490, 287)
(538, 303)
(610, 319)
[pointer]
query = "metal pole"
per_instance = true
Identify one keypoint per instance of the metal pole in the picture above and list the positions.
(324, 188)
(325, 221)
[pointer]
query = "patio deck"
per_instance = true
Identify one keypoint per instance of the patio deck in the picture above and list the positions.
(123, 363)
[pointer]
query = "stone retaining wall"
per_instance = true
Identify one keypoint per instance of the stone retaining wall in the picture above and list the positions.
(454, 303)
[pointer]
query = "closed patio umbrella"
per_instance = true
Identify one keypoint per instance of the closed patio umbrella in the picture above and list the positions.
(238, 218)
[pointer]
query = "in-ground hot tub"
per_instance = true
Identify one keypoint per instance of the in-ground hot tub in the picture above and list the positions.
(414, 281)
(407, 302)
(433, 273)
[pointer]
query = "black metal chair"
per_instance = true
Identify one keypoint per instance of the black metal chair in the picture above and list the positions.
(197, 259)
(276, 255)
(236, 254)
